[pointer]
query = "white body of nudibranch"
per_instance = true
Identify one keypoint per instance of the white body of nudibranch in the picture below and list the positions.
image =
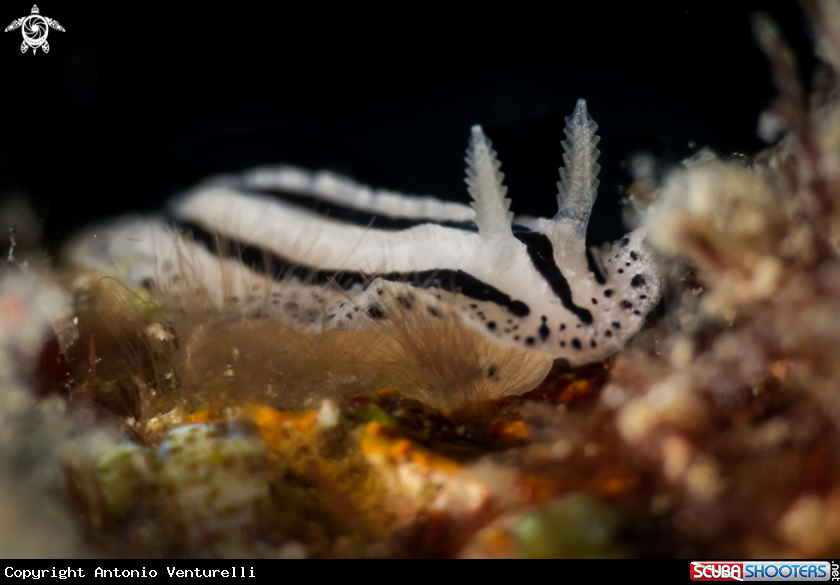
(320, 252)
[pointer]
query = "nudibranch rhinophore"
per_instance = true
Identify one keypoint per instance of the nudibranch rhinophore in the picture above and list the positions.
(319, 252)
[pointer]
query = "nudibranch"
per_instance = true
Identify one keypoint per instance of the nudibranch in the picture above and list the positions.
(320, 252)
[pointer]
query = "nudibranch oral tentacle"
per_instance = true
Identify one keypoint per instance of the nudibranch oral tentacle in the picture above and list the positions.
(319, 252)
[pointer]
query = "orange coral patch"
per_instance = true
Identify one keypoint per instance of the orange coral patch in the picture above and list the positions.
(276, 427)
(510, 431)
(379, 441)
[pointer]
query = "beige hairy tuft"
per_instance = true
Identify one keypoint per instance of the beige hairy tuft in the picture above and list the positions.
(224, 358)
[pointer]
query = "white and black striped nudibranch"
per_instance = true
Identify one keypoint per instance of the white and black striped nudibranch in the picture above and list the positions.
(320, 252)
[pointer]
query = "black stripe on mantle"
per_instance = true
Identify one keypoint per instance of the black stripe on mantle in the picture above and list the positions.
(541, 253)
(350, 215)
(539, 248)
(277, 267)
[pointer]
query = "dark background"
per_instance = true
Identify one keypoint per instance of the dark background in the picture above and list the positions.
(134, 102)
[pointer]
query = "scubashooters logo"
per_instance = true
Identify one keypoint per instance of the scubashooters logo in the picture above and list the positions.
(35, 29)
(763, 571)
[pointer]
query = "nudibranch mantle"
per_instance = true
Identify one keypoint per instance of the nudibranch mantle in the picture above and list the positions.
(320, 252)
